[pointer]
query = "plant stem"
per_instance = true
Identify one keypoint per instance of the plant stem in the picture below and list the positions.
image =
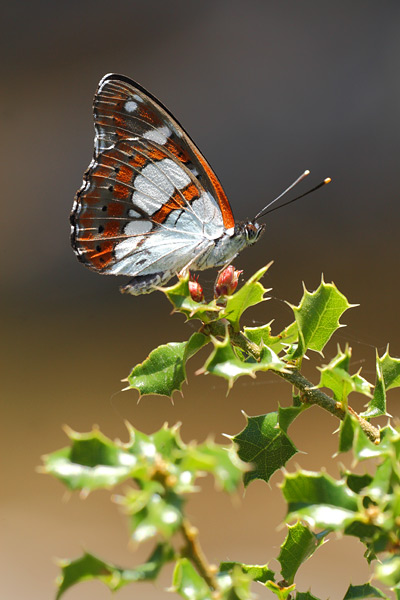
(308, 390)
(194, 552)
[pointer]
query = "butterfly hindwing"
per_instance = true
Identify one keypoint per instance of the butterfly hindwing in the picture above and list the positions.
(149, 204)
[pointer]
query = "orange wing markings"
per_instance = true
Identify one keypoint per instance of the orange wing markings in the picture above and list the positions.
(189, 193)
(223, 201)
(100, 256)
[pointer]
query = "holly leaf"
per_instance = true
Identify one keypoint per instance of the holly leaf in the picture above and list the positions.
(357, 482)
(89, 567)
(180, 298)
(346, 433)
(357, 592)
(262, 336)
(163, 372)
(153, 511)
(387, 377)
(224, 362)
(388, 571)
(260, 573)
(188, 583)
(287, 414)
(319, 500)
(251, 293)
(317, 317)
(298, 546)
(264, 445)
(337, 378)
(223, 463)
(91, 462)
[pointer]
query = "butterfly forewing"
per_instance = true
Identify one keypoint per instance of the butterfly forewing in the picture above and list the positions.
(147, 179)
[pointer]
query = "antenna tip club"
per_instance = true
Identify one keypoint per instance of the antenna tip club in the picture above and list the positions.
(306, 172)
(327, 180)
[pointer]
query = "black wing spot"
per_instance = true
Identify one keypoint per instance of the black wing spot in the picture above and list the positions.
(101, 229)
(98, 248)
(104, 208)
(110, 188)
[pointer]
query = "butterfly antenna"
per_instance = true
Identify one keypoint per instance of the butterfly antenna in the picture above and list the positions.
(292, 185)
(324, 182)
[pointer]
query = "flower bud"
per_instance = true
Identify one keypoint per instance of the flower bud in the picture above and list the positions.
(227, 282)
(195, 289)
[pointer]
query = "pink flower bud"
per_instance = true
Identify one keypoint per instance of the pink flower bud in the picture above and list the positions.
(227, 282)
(195, 289)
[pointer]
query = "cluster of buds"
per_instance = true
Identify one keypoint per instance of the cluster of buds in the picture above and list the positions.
(227, 282)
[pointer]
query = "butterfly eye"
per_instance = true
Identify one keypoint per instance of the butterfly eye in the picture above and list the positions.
(253, 231)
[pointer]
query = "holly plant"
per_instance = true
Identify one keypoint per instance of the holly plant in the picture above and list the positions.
(160, 470)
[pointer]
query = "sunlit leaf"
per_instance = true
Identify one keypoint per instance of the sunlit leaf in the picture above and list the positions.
(261, 573)
(89, 567)
(358, 592)
(317, 317)
(188, 583)
(91, 462)
(298, 546)
(319, 499)
(223, 463)
(336, 377)
(251, 293)
(224, 362)
(387, 377)
(153, 511)
(262, 335)
(163, 372)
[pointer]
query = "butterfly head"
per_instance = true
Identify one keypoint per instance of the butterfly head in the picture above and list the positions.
(253, 231)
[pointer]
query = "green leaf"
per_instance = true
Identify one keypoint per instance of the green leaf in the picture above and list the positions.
(357, 592)
(181, 300)
(319, 500)
(336, 377)
(317, 317)
(259, 573)
(279, 589)
(153, 510)
(251, 293)
(363, 448)
(387, 377)
(223, 463)
(262, 335)
(305, 596)
(298, 546)
(90, 567)
(287, 414)
(357, 482)
(265, 445)
(346, 433)
(187, 582)
(223, 362)
(93, 461)
(388, 571)
(163, 372)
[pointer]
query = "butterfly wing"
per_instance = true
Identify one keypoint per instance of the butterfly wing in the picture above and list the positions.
(149, 202)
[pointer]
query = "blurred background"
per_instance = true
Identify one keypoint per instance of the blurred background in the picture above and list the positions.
(266, 89)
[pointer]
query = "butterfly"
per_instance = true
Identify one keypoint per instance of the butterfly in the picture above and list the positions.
(150, 205)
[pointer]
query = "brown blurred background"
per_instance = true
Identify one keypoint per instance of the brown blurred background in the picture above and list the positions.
(266, 89)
